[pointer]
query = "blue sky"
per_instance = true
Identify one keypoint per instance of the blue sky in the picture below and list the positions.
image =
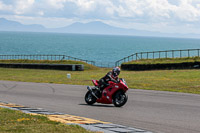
(169, 16)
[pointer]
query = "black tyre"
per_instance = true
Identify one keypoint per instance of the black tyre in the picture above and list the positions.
(89, 98)
(120, 99)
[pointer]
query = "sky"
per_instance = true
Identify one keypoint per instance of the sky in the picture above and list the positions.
(167, 16)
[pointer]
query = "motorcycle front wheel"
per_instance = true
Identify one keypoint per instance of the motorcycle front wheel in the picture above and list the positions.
(120, 99)
(89, 98)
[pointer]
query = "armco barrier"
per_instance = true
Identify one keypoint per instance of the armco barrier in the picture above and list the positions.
(70, 67)
(142, 67)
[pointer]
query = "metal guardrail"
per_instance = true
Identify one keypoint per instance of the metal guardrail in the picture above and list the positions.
(43, 57)
(160, 54)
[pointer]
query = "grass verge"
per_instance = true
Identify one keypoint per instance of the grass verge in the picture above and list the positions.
(187, 81)
(17, 122)
(86, 66)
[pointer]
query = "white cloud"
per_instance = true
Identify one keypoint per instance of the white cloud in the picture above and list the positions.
(85, 4)
(187, 11)
(57, 4)
(23, 6)
(5, 7)
(159, 10)
(155, 14)
(136, 10)
(41, 13)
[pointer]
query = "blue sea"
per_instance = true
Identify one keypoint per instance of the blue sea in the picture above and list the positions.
(105, 49)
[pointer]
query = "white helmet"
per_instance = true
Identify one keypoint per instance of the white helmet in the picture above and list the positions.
(116, 71)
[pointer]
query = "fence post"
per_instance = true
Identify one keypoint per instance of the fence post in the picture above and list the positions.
(180, 53)
(136, 56)
(159, 54)
(198, 52)
(188, 53)
(153, 55)
(147, 55)
(172, 53)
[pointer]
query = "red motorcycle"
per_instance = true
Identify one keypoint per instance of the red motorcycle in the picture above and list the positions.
(115, 93)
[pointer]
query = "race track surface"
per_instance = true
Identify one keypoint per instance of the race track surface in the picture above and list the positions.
(156, 111)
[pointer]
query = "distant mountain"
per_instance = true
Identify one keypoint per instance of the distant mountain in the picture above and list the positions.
(7, 25)
(95, 27)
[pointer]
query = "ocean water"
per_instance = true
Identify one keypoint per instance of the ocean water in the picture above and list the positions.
(105, 49)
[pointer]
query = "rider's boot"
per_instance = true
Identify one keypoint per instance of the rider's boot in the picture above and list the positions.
(99, 92)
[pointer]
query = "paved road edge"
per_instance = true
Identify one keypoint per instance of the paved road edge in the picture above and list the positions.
(87, 123)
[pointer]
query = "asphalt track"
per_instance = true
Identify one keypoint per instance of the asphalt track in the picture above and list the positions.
(156, 111)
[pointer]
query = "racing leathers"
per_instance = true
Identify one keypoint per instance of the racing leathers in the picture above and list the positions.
(103, 82)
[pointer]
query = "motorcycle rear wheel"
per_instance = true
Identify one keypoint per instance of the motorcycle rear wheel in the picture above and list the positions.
(89, 98)
(120, 99)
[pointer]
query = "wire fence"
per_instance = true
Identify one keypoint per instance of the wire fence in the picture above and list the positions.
(43, 57)
(160, 54)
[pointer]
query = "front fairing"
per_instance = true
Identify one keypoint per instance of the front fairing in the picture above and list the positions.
(109, 91)
(124, 84)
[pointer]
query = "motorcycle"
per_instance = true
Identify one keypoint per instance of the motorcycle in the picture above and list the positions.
(115, 93)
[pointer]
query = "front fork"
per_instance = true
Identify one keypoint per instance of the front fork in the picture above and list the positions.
(90, 89)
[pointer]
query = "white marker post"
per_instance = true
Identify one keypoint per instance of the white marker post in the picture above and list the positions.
(69, 76)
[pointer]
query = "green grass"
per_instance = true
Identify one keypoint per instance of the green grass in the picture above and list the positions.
(164, 60)
(187, 81)
(17, 122)
(86, 66)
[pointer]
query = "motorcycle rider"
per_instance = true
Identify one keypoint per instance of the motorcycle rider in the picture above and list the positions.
(110, 76)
